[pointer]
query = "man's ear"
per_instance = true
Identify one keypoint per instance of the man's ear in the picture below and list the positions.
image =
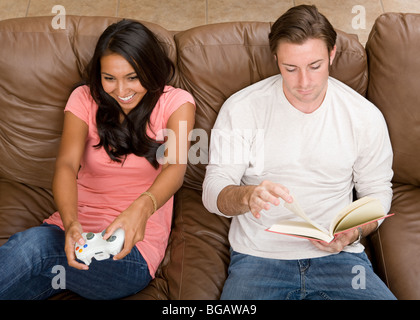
(332, 54)
(277, 62)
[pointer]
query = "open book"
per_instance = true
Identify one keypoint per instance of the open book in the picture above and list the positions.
(357, 213)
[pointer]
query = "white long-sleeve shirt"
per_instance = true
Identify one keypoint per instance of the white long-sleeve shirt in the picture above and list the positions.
(320, 157)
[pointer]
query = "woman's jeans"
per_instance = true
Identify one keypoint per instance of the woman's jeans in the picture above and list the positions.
(33, 265)
(345, 275)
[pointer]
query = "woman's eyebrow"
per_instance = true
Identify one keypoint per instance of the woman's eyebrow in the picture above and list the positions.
(127, 75)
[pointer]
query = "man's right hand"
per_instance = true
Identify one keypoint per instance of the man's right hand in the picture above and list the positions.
(260, 197)
(235, 200)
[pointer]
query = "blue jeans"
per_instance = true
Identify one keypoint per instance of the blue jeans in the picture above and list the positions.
(33, 265)
(347, 276)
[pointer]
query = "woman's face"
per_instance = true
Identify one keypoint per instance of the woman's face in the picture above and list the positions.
(121, 82)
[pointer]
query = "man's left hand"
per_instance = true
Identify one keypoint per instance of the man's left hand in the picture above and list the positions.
(339, 242)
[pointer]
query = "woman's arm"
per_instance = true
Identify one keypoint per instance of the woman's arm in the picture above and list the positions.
(133, 220)
(65, 181)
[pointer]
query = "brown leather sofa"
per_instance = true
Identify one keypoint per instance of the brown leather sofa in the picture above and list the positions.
(39, 66)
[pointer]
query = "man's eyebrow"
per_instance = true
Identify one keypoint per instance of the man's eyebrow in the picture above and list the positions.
(292, 65)
(315, 62)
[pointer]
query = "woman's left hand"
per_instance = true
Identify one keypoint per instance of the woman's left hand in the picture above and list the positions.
(133, 221)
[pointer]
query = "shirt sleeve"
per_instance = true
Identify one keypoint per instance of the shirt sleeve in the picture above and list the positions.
(372, 171)
(79, 103)
(231, 155)
(175, 98)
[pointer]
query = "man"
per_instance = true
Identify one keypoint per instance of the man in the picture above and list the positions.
(320, 141)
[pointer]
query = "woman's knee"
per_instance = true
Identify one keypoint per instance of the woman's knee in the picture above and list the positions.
(34, 242)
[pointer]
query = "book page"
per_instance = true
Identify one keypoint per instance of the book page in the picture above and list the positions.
(297, 210)
(359, 212)
(300, 229)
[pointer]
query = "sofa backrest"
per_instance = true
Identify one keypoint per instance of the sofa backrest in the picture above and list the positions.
(394, 87)
(215, 61)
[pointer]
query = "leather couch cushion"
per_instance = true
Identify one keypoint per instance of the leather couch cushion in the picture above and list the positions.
(21, 207)
(394, 68)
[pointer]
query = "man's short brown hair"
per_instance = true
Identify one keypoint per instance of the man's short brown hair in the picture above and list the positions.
(299, 24)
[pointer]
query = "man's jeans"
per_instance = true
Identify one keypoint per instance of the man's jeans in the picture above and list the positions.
(339, 276)
(33, 265)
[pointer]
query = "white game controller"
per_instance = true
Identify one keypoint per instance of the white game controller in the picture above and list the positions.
(96, 247)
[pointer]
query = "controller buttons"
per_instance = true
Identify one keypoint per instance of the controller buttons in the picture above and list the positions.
(90, 235)
(111, 238)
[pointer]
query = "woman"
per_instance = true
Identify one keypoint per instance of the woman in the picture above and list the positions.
(107, 174)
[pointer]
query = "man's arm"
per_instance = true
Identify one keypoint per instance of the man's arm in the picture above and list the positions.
(372, 176)
(372, 171)
(236, 200)
(236, 154)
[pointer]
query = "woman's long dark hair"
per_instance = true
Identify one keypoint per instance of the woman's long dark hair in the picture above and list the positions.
(139, 46)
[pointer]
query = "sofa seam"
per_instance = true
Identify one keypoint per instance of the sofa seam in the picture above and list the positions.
(383, 259)
(182, 232)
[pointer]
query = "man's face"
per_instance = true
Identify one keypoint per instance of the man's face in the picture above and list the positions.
(304, 68)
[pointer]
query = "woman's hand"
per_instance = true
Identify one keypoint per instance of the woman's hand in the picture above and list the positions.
(133, 221)
(73, 234)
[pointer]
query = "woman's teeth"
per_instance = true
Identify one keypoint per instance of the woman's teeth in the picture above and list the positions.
(126, 98)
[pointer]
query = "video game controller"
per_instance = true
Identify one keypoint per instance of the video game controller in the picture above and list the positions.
(96, 247)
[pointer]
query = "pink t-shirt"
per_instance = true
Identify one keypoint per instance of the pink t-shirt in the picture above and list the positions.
(107, 188)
